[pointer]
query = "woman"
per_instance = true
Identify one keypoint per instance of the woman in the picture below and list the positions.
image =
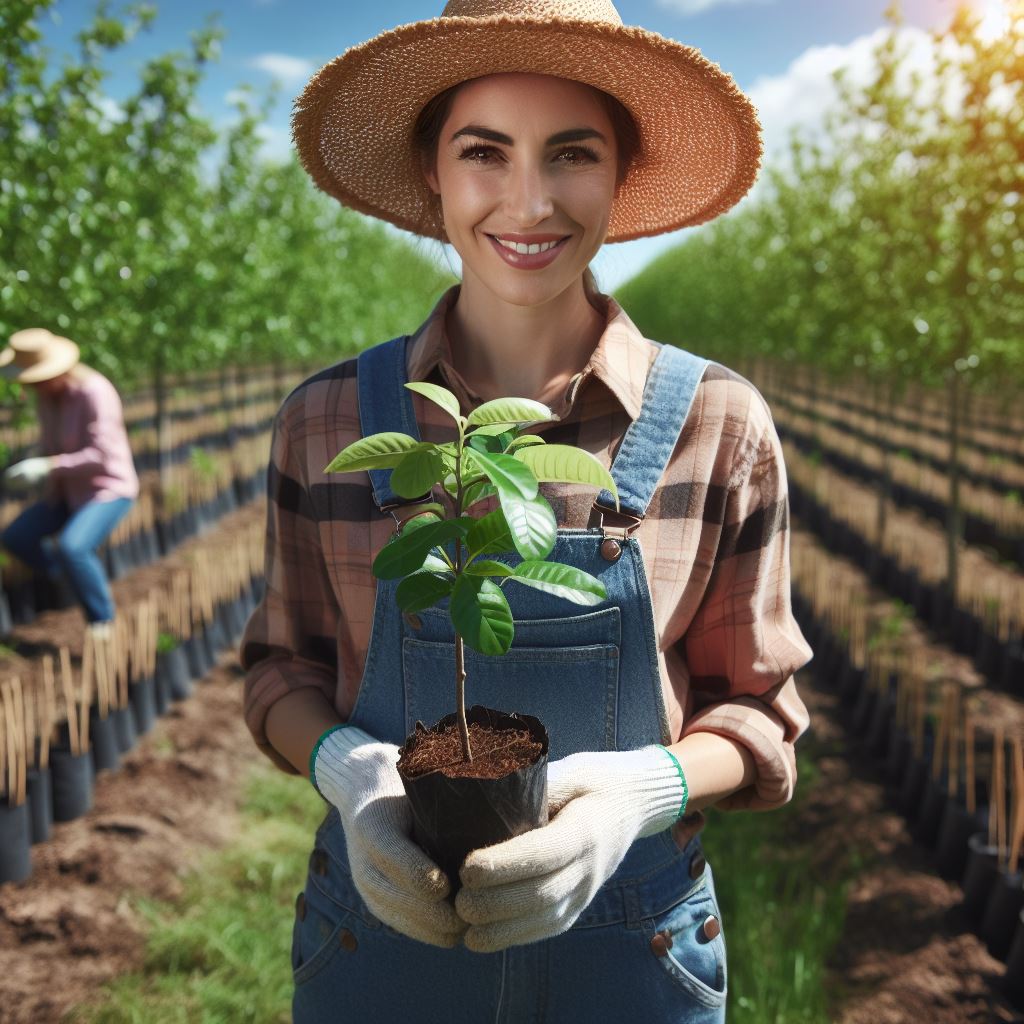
(526, 135)
(86, 468)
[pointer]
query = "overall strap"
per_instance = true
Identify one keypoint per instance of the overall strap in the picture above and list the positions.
(385, 404)
(651, 438)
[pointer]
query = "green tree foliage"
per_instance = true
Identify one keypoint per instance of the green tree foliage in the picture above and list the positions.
(892, 246)
(161, 245)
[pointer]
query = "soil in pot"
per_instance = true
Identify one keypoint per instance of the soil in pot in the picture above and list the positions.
(461, 806)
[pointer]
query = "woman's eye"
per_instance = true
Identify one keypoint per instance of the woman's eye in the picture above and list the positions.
(581, 154)
(471, 152)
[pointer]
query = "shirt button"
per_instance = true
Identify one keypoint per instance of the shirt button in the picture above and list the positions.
(413, 619)
(318, 862)
(300, 906)
(711, 926)
(611, 549)
(349, 942)
(661, 943)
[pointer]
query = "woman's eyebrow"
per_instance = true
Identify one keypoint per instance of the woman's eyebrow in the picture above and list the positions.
(571, 135)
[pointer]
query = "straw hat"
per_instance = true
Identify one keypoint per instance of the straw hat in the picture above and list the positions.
(700, 136)
(36, 355)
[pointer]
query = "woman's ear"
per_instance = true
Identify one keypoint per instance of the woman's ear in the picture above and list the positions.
(428, 169)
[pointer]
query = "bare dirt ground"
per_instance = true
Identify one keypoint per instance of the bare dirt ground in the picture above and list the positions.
(68, 928)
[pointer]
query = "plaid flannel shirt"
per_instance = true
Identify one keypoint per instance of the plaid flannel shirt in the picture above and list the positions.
(715, 543)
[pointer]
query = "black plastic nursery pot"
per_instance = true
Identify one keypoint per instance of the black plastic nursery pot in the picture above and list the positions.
(897, 751)
(957, 826)
(40, 803)
(105, 748)
(1013, 981)
(1011, 673)
(979, 876)
(124, 728)
(915, 775)
(1003, 910)
(15, 841)
(161, 691)
(143, 702)
(452, 817)
(72, 777)
(173, 666)
(929, 818)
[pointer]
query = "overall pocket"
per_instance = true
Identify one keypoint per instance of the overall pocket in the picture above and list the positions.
(556, 669)
(692, 952)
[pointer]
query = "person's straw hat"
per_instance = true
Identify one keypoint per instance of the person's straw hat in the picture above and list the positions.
(700, 136)
(35, 355)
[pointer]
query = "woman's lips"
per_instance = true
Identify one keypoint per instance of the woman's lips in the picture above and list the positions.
(528, 261)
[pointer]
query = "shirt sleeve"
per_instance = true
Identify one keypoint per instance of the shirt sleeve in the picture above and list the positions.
(290, 640)
(103, 431)
(743, 645)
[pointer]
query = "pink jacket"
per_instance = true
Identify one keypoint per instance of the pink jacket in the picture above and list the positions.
(83, 431)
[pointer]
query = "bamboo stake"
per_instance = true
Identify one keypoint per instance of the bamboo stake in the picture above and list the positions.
(86, 697)
(74, 725)
(19, 731)
(1018, 804)
(996, 825)
(30, 696)
(969, 761)
(49, 713)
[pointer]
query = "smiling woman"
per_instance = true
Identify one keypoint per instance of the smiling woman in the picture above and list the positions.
(528, 133)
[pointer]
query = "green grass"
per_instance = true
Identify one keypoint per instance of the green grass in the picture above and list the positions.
(220, 954)
(781, 918)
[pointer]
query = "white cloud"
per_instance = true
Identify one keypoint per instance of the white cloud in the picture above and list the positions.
(688, 7)
(282, 65)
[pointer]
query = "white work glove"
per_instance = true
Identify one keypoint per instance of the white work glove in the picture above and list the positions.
(537, 884)
(398, 882)
(28, 471)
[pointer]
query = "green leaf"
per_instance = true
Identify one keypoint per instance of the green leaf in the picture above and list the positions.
(523, 441)
(510, 410)
(477, 492)
(439, 396)
(489, 535)
(488, 430)
(565, 464)
(561, 580)
(421, 590)
(507, 473)
(492, 443)
(378, 451)
(488, 567)
(481, 615)
(417, 473)
(531, 524)
(405, 554)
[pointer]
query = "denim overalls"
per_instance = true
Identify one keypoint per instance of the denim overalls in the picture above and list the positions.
(591, 674)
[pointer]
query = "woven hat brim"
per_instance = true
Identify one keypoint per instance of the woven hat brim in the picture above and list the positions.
(64, 356)
(700, 134)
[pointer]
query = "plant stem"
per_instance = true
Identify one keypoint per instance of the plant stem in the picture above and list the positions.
(460, 698)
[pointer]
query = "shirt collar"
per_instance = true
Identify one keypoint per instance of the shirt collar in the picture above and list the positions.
(620, 360)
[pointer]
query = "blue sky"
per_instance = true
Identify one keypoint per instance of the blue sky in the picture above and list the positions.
(779, 51)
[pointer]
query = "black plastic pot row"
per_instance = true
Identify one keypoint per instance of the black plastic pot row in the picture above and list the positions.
(909, 423)
(935, 462)
(1001, 662)
(21, 602)
(956, 837)
(975, 529)
(64, 791)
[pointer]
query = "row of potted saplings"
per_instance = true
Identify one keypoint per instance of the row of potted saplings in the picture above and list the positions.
(985, 622)
(145, 534)
(988, 427)
(989, 517)
(955, 772)
(70, 720)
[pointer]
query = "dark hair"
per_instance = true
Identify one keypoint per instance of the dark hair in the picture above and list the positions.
(427, 131)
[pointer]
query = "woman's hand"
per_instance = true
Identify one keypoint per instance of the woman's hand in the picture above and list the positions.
(537, 884)
(396, 879)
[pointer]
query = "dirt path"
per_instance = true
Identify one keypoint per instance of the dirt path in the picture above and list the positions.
(174, 796)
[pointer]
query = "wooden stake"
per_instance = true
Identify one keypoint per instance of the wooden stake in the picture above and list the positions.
(19, 730)
(996, 824)
(70, 708)
(49, 713)
(1018, 805)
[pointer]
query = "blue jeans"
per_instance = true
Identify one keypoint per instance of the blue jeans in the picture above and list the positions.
(79, 534)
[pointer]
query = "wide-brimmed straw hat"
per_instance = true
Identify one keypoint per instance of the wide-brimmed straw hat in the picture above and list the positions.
(700, 136)
(35, 355)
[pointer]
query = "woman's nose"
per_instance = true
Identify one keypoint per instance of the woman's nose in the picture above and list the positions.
(529, 200)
